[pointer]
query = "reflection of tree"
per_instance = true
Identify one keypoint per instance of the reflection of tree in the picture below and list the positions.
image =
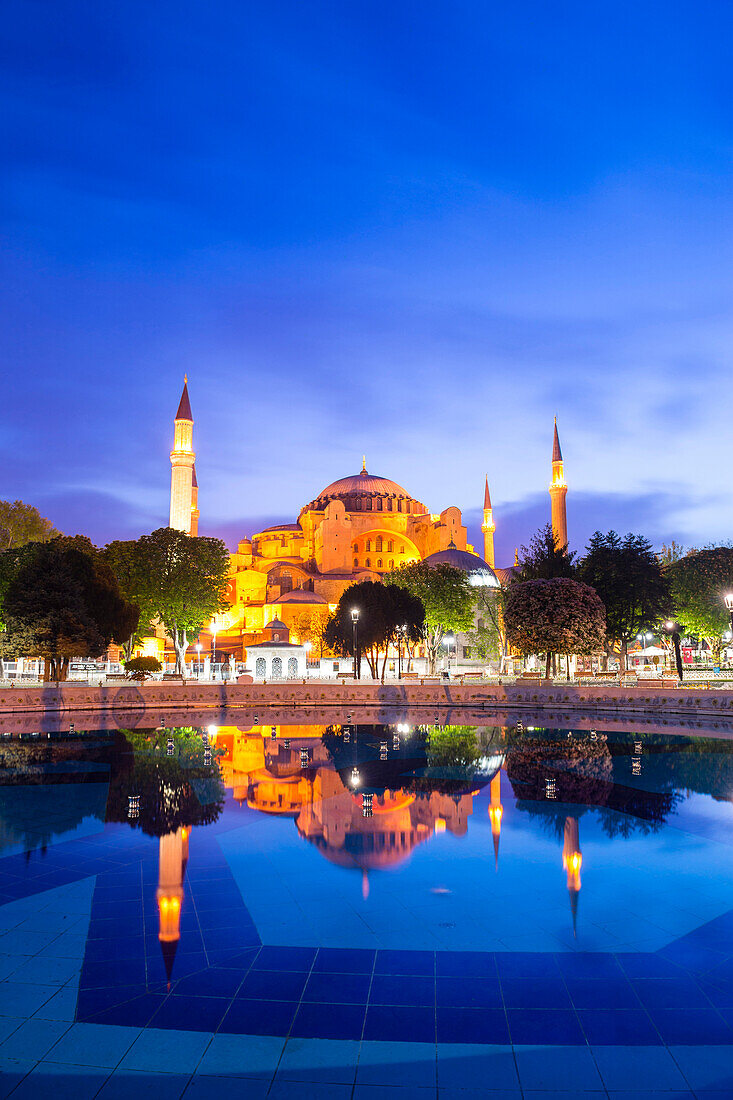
(175, 791)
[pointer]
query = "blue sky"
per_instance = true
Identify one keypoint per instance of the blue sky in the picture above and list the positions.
(415, 231)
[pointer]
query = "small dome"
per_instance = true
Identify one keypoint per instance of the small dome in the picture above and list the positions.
(276, 624)
(480, 573)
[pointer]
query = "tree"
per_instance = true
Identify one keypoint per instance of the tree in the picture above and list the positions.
(129, 565)
(309, 625)
(700, 581)
(447, 597)
(630, 580)
(488, 638)
(61, 600)
(387, 613)
(554, 616)
(140, 667)
(544, 558)
(22, 523)
(185, 583)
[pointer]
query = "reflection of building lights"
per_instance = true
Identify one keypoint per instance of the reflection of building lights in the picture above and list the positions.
(355, 777)
(402, 727)
(440, 825)
(212, 730)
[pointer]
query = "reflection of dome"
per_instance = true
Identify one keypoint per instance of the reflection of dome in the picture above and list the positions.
(480, 573)
(357, 486)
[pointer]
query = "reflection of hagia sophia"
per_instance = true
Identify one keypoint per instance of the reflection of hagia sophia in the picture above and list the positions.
(358, 528)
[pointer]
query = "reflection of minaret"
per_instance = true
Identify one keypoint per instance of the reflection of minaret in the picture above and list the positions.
(558, 492)
(488, 527)
(173, 857)
(572, 860)
(184, 501)
(496, 811)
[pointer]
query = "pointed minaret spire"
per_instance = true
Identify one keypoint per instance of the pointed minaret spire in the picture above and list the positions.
(184, 488)
(488, 527)
(558, 492)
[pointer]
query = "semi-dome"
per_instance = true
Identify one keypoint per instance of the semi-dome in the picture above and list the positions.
(365, 486)
(480, 573)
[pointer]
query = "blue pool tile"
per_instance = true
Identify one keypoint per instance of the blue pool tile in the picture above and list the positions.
(127, 947)
(544, 1026)
(319, 1060)
(719, 993)
(46, 971)
(21, 999)
(698, 1025)
(405, 962)
(670, 993)
(273, 985)
(535, 993)
(563, 1068)
(213, 1088)
(113, 972)
(499, 1094)
(393, 1092)
(400, 1024)
(33, 1039)
(242, 1056)
(12, 1072)
(259, 1017)
(469, 992)
(137, 1012)
(393, 989)
(92, 1001)
(62, 1082)
(215, 981)
(338, 988)
(692, 956)
(706, 1069)
(627, 1028)
(328, 1021)
(643, 964)
(307, 1090)
(474, 1066)
(93, 1045)
(526, 964)
(285, 958)
(143, 1085)
(397, 1064)
(589, 993)
(201, 1013)
(472, 1025)
(162, 1051)
(344, 960)
(588, 965)
(646, 1094)
(469, 964)
(638, 1067)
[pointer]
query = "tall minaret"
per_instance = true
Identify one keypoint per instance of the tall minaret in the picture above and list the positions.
(194, 503)
(183, 477)
(558, 492)
(488, 527)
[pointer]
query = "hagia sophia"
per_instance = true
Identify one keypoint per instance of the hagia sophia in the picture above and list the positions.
(358, 528)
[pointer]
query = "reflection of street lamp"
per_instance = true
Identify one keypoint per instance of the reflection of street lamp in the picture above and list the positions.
(198, 660)
(355, 624)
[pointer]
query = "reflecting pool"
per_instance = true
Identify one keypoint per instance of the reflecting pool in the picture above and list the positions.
(365, 881)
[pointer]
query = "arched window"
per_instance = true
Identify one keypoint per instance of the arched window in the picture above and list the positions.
(357, 504)
(390, 546)
(379, 543)
(402, 549)
(369, 544)
(379, 563)
(391, 563)
(355, 548)
(276, 637)
(379, 504)
(368, 504)
(277, 667)
(389, 504)
(399, 505)
(368, 563)
(292, 667)
(260, 667)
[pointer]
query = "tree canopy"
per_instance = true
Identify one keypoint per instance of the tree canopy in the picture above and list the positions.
(557, 615)
(130, 566)
(387, 615)
(700, 581)
(22, 523)
(544, 558)
(446, 595)
(60, 600)
(183, 583)
(628, 577)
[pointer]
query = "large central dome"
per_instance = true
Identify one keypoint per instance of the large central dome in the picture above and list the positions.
(356, 489)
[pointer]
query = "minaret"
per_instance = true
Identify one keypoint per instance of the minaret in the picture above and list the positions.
(183, 477)
(558, 492)
(496, 812)
(172, 859)
(194, 503)
(488, 527)
(572, 860)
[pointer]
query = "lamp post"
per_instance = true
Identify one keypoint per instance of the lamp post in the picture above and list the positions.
(198, 660)
(729, 605)
(355, 626)
(213, 651)
(448, 642)
(674, 634)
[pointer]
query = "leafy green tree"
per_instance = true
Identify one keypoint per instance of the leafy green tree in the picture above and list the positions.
(631, 582)
(700, 581)
(488, 637)
(387, 613)
(60, 600)
(140, 667)
(544, 558)
(554, 616)
(448, 599)
(185, 583)
(22, 523)
(128, 563)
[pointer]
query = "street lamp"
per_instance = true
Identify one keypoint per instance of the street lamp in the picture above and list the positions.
(198, 660)
(355, 625)
(448, 642)
(213, 650)
(671, 627)
(729, 605)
